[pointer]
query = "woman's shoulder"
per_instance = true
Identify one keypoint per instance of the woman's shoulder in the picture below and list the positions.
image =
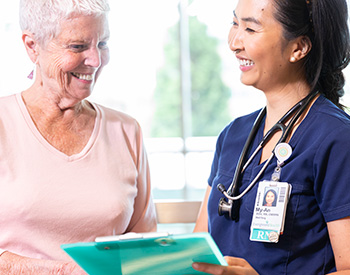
(8, 100)
(243, 123)
(9, 105)
(115, 121)
(113, 115)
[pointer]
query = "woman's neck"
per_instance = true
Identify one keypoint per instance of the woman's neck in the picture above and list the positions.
(280, 102)
(69, 129)
(53, 106)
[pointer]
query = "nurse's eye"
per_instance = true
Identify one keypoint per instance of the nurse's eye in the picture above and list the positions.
(250, 30)
(233, 23)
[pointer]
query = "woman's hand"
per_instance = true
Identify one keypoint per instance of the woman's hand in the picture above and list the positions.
(13, 264)
(237, 266)
(72, 269)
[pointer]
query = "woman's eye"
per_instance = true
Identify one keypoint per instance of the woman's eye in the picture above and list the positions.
(77, 47)
(102, 44)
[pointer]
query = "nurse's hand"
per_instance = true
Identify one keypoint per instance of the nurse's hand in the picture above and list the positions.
(237, 266)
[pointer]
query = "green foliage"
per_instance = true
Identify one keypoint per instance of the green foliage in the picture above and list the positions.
(210, 97)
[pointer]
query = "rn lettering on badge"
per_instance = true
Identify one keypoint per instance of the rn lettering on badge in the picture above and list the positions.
(263, 235)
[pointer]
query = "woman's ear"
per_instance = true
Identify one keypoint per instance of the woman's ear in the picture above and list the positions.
(302, 46)
(31, 45)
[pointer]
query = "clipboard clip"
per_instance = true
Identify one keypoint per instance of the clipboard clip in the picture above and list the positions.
(132, 236)
(115, 242)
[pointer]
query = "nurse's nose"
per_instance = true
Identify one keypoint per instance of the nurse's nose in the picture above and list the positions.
(235, 39)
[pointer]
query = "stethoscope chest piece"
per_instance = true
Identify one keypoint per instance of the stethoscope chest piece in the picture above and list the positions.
(225, 207)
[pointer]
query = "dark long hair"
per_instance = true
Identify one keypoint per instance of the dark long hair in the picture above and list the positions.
(325, 23)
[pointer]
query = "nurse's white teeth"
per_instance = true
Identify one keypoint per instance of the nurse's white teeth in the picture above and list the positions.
(84, 76)
(245, 62)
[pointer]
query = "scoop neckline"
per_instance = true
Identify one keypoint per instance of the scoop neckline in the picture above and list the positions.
(50, 147)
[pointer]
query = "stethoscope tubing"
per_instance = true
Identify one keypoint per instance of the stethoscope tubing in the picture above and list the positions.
(252, 183)
(300, 107)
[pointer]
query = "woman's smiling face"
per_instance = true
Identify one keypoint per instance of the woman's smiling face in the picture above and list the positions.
(70, 63)
(256, 37)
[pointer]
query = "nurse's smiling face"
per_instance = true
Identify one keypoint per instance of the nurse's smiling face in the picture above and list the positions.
(256, 37)
(70, 63)
(270, 197)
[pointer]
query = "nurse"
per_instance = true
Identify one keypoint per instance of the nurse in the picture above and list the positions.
(287, 49)
(270, 198)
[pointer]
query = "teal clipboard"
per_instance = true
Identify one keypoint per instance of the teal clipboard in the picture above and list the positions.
(149, 253)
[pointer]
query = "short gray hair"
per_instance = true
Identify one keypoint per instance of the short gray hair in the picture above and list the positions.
(43, 17)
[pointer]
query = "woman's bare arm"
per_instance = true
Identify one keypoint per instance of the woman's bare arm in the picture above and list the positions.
(13, 264)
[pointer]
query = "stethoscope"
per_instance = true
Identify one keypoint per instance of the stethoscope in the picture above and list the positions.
(231, 206)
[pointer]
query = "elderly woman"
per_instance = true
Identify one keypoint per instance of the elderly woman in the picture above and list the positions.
(71, 170)
(294, 51)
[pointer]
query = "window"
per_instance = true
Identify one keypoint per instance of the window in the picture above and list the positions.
(181, 106)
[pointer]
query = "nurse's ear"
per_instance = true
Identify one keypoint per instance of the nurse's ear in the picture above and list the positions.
(301, 47)
(31, 45)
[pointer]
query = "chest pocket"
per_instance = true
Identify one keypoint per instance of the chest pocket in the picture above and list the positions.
(248, 201)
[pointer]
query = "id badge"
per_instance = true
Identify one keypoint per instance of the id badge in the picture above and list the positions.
(269, 211)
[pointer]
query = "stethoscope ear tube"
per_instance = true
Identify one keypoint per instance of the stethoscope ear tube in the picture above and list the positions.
(232, 207)
(233, 189)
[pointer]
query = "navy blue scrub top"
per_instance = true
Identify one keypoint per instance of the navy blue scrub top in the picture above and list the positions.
(319, 172)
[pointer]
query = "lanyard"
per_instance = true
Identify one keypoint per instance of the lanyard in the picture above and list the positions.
(231, 206)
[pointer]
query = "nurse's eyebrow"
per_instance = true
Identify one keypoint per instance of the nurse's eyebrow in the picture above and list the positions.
(248, 19)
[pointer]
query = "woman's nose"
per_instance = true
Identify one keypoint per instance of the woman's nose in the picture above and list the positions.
(93, 57)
